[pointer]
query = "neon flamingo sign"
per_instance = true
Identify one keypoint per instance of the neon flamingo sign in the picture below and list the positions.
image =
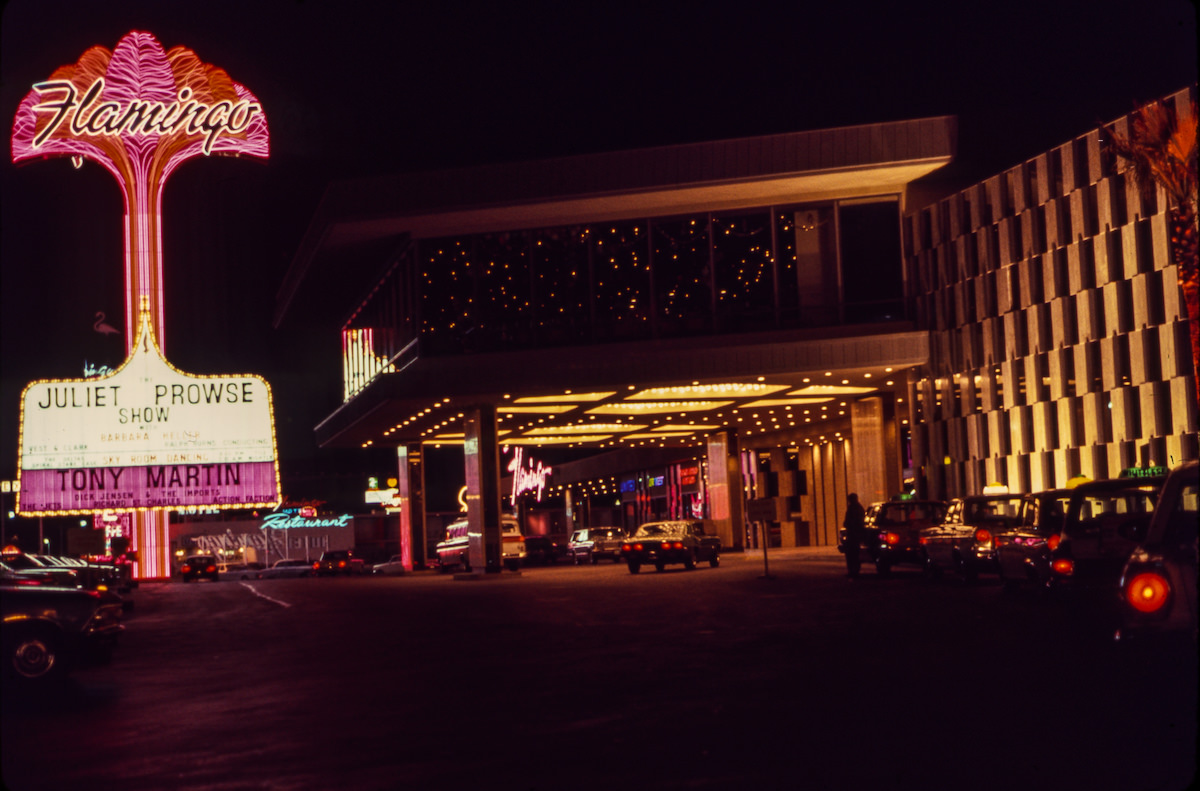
(139, 112)
(527, 479)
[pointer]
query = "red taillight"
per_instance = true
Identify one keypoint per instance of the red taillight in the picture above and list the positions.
(317, 565)
(637, 547)
(341, 564)
(983, 536)
(1147, 592)
(1063, 566)
(626, 547)
(891, 538)
(1053, 541)
(676, 545)
(186, 569)
(924, 540)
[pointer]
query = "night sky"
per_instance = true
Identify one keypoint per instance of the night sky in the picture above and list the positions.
(353, 88)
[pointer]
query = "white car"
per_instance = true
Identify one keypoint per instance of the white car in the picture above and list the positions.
(287, 568)
(393, 567)
(454, 550)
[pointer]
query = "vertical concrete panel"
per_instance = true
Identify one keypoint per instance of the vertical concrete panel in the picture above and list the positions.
(481, 458)
(410, 477)
(725, 489)
(868, 455)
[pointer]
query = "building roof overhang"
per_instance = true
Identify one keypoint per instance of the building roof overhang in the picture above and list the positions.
(844, 163)
(650, 393)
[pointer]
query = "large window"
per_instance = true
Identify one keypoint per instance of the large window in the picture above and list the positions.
(621, 280)
(872, 278)
(745, 271)
(561, 301)
(682, 277)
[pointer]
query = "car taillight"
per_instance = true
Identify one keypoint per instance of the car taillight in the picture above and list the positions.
(1063, 566)
(1147, 592)
(1053, 541)
(638, 547)
(983, 536)
(316, 565)
(891, 538)
(924, 540)
(186, 569)
(341, 564)
(626, 547)
(669, 545)
(210, 569)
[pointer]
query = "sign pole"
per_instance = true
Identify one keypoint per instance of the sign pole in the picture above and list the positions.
(139, 114)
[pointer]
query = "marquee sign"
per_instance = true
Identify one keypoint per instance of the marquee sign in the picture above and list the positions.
(147, 436)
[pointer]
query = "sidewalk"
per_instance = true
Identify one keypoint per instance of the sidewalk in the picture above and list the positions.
(804, 554)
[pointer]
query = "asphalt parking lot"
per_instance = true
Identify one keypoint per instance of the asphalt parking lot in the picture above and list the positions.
(587, 677)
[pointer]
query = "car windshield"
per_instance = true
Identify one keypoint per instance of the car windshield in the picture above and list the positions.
(653, 530)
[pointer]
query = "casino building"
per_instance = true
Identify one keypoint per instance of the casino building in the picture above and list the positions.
(746, 330)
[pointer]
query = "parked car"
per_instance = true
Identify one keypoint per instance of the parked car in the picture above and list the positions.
(241, 571)
(339, 563)
(590, 544)
(287, 568)
(1157, 588)
(199, 567)
(454, 549)
(661, 543)
(48, 630)
(542, 551)
(66, 571)
(392, 567)
(965, 541)
(1105, 522)
(1023, 551)
(899, 524)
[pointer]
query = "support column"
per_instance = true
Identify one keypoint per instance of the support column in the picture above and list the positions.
(869, 455)
(410, 478)
(481, 457)
(725, 499)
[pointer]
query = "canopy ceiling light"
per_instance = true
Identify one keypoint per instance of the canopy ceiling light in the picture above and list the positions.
(656, 407)
(558, 440)
(583, 428)
(831, 390)
(725, 390)
(566, 398)
(541, 409)
(769, 402)
(658, 435)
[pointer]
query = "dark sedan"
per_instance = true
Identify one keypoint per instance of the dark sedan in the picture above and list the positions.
(1023, 551)
(660, 543)
(965, 541)
(49, 630)
(1105, 521)
(199, 567)
(899, 524)
(1157, 589)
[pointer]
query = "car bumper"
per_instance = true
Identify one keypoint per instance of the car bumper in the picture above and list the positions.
(892, 554)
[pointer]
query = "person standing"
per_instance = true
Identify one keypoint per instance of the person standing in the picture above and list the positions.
(855, 524)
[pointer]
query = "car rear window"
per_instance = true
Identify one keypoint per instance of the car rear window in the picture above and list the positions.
(651, 530)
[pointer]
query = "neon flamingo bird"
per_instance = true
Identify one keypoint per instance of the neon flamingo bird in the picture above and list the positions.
(103, 327)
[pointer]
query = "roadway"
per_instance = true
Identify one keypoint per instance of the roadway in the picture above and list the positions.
(590, 678)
